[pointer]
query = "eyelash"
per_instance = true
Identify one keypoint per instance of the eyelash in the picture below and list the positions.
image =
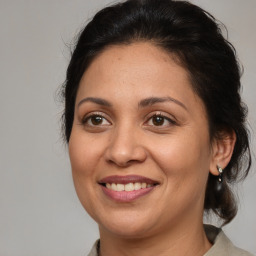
(165, 118)
(89, 117)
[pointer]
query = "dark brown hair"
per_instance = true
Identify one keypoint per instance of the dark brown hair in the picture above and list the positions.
(194, 37)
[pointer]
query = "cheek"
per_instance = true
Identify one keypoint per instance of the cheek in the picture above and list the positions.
(185, 164)
(84, 157)
(83, 154)
(183, 157)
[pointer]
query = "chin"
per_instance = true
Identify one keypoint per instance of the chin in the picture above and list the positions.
(128, 227)
(125, 231)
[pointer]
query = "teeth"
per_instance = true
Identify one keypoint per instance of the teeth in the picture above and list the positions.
(113, 187)
(119, 187)
(137, 186)
(128, 187)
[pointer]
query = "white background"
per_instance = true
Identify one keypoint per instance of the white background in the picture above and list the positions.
(39, 210)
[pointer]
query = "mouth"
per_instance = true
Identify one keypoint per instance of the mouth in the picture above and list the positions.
(127, 188)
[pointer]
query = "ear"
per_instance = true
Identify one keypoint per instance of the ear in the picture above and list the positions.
(222, 150)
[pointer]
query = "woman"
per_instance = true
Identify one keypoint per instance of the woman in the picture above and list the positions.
(156, 128)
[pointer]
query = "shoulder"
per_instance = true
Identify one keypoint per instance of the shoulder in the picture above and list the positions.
(95, 248)
(222, 246)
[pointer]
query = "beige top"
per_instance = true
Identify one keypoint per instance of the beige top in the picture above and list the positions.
(222, 246)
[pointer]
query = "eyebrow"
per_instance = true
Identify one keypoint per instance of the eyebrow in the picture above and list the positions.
(154, 100)
(98, 101)
(142, 104)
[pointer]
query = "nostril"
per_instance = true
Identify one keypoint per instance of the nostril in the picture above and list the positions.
(125, 158)
(124, 148)
(121, 162)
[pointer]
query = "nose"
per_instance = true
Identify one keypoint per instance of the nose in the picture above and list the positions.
(125, 148)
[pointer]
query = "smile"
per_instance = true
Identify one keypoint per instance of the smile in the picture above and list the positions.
(127, 188)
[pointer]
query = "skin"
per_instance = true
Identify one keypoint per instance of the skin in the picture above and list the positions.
(178, 153)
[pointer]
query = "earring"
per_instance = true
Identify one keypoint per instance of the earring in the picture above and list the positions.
(220, 173)
(219, 185)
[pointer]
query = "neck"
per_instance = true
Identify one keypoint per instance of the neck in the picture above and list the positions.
(183, 241)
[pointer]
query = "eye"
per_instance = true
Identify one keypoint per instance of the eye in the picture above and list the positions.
(160, 120)
(95, 120)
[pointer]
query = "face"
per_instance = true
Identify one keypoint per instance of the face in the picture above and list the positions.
(139, 147)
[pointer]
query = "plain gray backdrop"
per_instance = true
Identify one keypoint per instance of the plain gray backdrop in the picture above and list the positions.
(39, 210)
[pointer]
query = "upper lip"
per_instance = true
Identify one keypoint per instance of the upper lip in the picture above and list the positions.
(127, 179)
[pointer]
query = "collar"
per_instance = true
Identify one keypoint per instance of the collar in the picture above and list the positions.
(222, 246)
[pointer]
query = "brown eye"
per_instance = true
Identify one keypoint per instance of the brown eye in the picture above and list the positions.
(158, 120)
(96, 120)
(161, 121)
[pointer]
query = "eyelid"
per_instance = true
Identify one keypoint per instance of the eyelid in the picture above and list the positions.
(95, 113)
(166, 116)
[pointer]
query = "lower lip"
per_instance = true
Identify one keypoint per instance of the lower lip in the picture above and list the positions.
(126, 196)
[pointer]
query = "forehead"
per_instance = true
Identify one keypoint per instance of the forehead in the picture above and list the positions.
(139, 66)
(125, 75)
